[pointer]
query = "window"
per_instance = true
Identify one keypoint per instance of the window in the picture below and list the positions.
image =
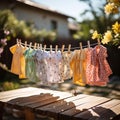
(53, 25)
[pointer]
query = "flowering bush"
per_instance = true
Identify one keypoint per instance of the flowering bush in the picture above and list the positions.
(3, 41)
(112, 35)
(112, 6)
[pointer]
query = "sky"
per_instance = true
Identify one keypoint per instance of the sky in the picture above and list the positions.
(70, 7)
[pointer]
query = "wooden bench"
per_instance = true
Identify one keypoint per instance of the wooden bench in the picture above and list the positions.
(59, 105)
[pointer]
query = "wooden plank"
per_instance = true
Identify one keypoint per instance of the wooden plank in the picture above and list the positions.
(82, 107)
(32, 92)
(21, 103)
(55, 97)
(52, 109)
(36, 101)
(25, 94)
(29, 115)
(10, 93)
(53, 112)
(97, 111)
(110, 113)
(17, 94)
(27, 99)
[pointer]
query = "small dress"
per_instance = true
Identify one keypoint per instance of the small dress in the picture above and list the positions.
(66, 70)
(41, 66)
(54, 66)
(78, 65)
(100, 69)
(30, 67)
(18, 60)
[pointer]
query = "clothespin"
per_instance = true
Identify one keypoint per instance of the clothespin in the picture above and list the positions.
(63, 46)
(25, 44)
(30, 45)
(80, 45)
(17, 41)
(44, 48)
(40, 46)
(88, 42)
(56, 48)
(69, 47)
(20, 42)
(35, 44)
(98, 40)
(50, 48)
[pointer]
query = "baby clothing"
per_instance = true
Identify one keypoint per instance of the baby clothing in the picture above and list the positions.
(30, 67)
(78, 65)
(100, 69)
(18, 60)
(54, 67)
(66, 70)
(41, 66)
(86, 66)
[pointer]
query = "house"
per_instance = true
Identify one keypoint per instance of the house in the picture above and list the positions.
(42, 16)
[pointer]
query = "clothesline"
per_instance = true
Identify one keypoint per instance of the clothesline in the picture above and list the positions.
(84, 66)
(69, 47)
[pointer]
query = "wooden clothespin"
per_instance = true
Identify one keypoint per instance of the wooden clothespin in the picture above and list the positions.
(20, 42)
(63, 46)
(25, 44)
(35, 45)
(81, 46)
(17, 41)
(69, 47)
(44, 48)
(56, 48)
(98, 40)
(30, 45)
(88, 42)
(40, 46)
(50, 48)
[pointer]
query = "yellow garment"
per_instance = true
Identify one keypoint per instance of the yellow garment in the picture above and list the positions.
(78, 65)
(18, 60)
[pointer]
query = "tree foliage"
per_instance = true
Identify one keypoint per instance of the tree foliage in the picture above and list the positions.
(100, 22)
(21, 29)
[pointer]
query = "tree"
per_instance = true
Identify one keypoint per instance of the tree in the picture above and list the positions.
(20, 28)
(112, 35)
(100, 21)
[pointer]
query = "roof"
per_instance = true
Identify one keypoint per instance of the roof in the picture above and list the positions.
(43, 7)
(73, 26)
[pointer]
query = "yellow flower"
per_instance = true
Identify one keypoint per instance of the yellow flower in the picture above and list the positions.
(107, 37)
(111, 8)
(95, 35)
(116, 28)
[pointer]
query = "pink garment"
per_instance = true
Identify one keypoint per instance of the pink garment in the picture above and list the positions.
(89, 74)
(99, 70)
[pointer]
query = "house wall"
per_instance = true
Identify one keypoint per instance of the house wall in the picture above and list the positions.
(40, 18)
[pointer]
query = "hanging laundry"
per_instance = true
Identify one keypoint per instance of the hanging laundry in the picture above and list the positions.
(54, 67)
(18, 60)
(78, 65)
(100, 70)
(89, 66)
(30, 67)
(41, 66)
(66, 70)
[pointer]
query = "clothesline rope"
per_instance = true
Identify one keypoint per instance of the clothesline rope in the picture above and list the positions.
(72, 48)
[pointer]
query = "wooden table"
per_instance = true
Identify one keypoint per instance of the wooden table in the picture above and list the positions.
(59, 105)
